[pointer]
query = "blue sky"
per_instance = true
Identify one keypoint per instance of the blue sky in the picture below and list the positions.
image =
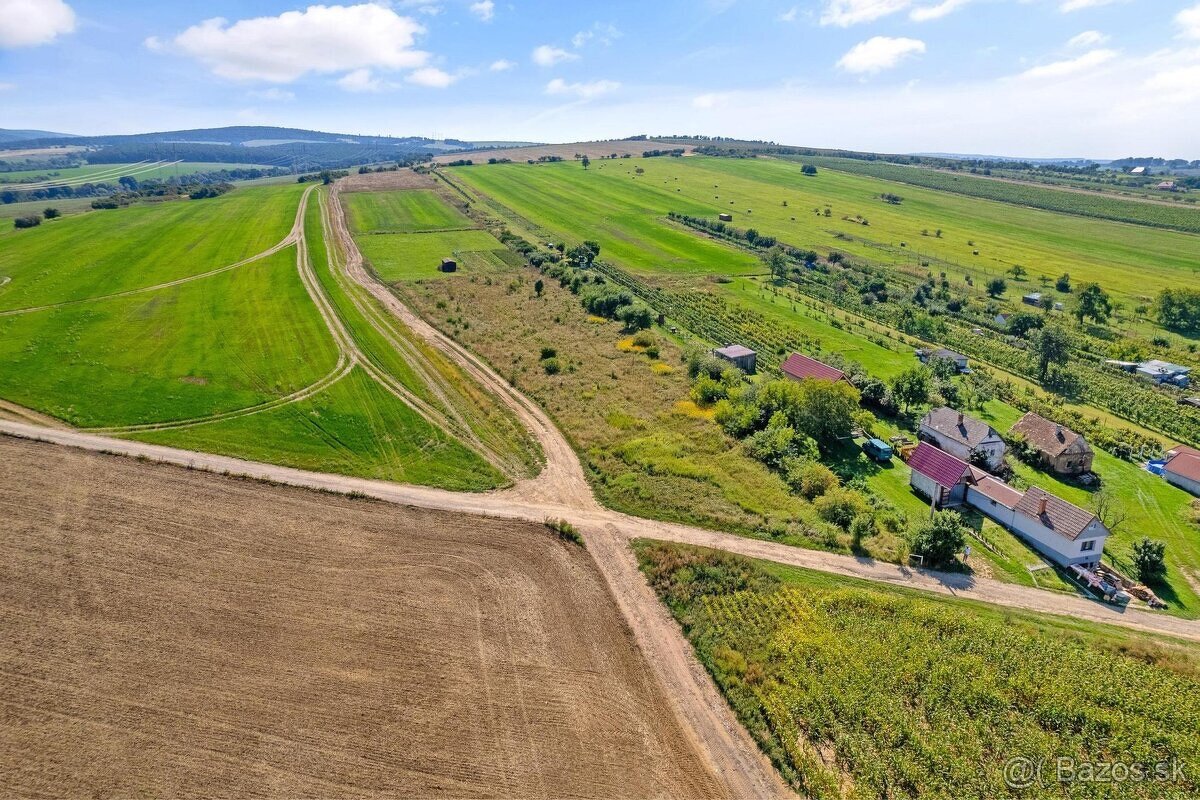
(1099, 78)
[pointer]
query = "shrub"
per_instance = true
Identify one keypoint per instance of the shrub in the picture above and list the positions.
(940, 538)
(840, 506)
(565, 530)
(548, 352)
(552, 366)
(51, 213)
(27, 222)
(1149, 560)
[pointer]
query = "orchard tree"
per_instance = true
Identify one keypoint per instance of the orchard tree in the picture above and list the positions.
(777, 262)
(939, 539)
(1017, 271)
(1051, 346)
(996, 287)
(911, 387)
(1063, 284)
(1092, 301)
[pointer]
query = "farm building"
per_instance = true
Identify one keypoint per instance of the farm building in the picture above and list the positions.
(960, 361)
(1033, 299)
(725, 217)
(1167, 186)
(1063, 532)
(960, 436)
(1061, 450)
(1164, 372)
(1002, 319)
(939, 476)
(448, 265)
(800, 367)
(1183, 469)
(739, 355)
(1140, 171)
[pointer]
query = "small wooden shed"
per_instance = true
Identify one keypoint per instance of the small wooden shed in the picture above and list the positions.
(725, 217)
(448, 265)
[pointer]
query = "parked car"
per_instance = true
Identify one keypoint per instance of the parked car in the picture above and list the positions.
(877, 449)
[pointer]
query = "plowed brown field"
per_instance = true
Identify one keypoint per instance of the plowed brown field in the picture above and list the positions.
(169, 632)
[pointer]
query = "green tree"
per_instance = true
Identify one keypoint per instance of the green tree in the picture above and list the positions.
(777, 262)
(1063, 284)
(539, 286)
(808, 169)
(1017, 271)
(997, 287)
(1149, 560)
(940, 538)
(1092, 301)
(587, 162)
(1051, 346)
(51, 213)
(1023, 322)
(911, 387)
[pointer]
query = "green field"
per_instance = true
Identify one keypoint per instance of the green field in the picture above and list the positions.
(623, 211)
(237, 359)
(111, 173)
(1089, 204)
(401, 212)
(898, 694)
(416, 256)
(99, 254)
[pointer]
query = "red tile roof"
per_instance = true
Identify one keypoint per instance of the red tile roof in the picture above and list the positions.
(800, 367)
(938, 465)
(1185, 463)
(1060, 516)
(1002, 493)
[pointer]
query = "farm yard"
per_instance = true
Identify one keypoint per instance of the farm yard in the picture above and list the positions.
(848, 686)
(170, 632)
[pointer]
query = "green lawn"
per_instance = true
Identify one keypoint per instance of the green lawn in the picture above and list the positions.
(354, 427)
(405, 211)
(101, 253)
(416, 256)
(229, 341)
(897, 693)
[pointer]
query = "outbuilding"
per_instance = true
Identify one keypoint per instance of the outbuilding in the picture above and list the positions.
(799, 367)
(939, 476)
(1033, 299)
(1061, 531)
(448, 265)
(740, 356)
(1060, 449)
(724, 217)
(1183, 469)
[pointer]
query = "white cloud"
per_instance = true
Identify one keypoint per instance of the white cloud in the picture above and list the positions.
(879, 53)
(1178, 85)
(431, 77)
(1088, 39)
(1067, 6)
(1189, 20)
(789, 15)
(7, 87)
(28, 23)
(502, 65)
(1070, 66)
(360, 80)
(927, 13)
(582, 90)
(603, 33)
(548, 55)
(320, 39)
(710, 100)
(274, 94)
(484, 10)
(844, 13)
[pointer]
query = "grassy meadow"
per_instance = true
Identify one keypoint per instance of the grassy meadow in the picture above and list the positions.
(401, 212)
(111, 173)
(622, 210)
(414, 256)
(106, 252)
(857, 690)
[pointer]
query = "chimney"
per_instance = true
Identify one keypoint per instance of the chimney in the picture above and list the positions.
(1058, 432)
(1042, 506)
(960, 419)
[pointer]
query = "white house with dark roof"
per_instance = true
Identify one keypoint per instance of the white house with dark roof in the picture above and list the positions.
(960, 435)
(1061, 531)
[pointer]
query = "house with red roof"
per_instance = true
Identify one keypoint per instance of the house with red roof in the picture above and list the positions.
(1183, 469)
(800, 367)
(939, 476)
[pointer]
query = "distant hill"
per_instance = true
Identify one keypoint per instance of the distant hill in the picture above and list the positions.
(294, 148)
(14, 135)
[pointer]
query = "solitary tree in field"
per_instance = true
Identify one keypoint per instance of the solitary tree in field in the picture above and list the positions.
(808, 169)
(1149, 560)
(539, 286)
(996, 287)
(1092, 301)
(51, 213)
(1017, 271)
(1063, 284)
(587, 162)
(777, 262)
(1052, 346)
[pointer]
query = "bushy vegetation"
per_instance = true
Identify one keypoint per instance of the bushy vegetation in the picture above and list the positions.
(1179, 309)
(873, 693)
